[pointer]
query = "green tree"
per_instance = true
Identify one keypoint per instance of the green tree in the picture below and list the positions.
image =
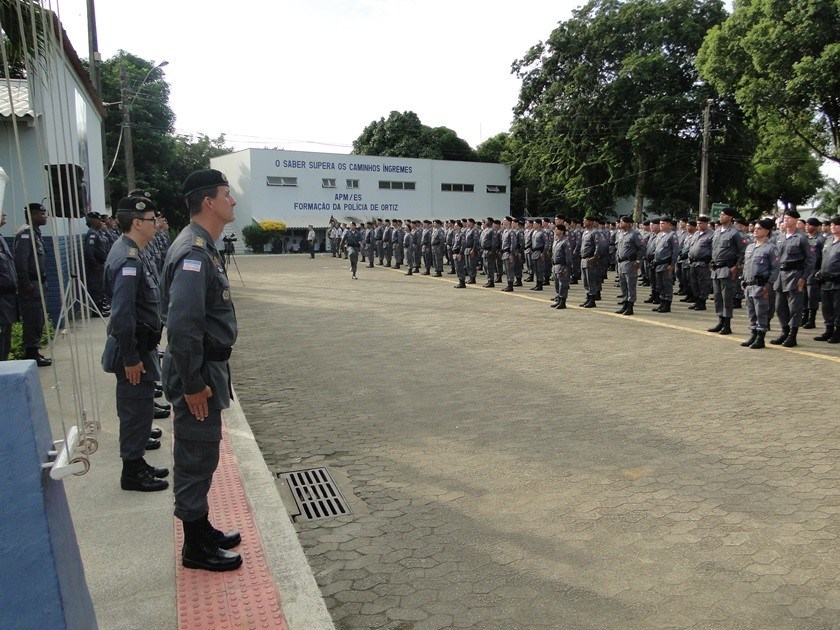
(610, 105)
(781, 58)
(828, 198)
(403, 135)
(493, 149)
(16, 26)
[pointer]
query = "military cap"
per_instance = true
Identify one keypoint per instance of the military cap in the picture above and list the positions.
(692, 223)
(827, 222)
(521, 221)
(814, 221)
(668, 220)
(835, 220)
(140, 192)
(793, 213)
(207, 178)
(36, 207)
(645, 222)
(134, 203)
(590, 217)
(652, 221)
(626, 219)
(702, 219)
(438, 222)
(511, 219)
(767, 224)
(741, 220)
(729, 211)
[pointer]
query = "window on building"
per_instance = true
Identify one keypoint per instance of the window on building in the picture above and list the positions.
(457, 187)
(327, 182)
(496, 189)
(386, 185)
(352, 183)
(280, 181)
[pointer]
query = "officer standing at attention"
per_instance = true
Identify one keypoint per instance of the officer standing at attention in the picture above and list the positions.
(629, 250)
(828, 278)
(29, 263)
(816, 239)
(561, 266)
(538, 255)
(408, 248)
(728, 247)
(397, 242)
(131, 348)
(761, 268)
(458, 251)
(510, 252)
(699, 259)
(201, 328)
(353, 241)
(438, 239)
(796, 261)
(592, 247)
(96, 252)
(310, 237)
(665, 256)
(8, 295)
(486, 240)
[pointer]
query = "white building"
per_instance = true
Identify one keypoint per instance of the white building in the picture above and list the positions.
(301, 188)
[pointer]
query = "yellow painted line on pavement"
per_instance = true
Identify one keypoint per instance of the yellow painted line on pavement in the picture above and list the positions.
(633, 318)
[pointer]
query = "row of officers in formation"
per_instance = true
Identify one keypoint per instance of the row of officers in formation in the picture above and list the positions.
(788, 267)
(23, 276)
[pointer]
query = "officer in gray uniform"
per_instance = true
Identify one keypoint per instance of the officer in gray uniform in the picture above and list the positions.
(96, 251)
(201, 329)
(509, 251)
(629, 251)
(458, 251)
(408, 247)
(378, 235)
(561, 265)
(8, 294)
(438, 241)
(32, 279)
(426, 247)
(538, 255)
(761, 268)
(575, 236)
(665, 257)
(353, 241)
(817, 241)
(370, 244)
(387, 242)
(134, 330)
(470, 246)
(486, 241)
(497, 248)
(796, 262)
(829, 279)
(592, 248)
(728, 247)
(520, 256)
(699, 259)
(650, 267)
(397, 237)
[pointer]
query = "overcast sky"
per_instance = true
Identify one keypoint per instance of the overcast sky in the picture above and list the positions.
(310, 75)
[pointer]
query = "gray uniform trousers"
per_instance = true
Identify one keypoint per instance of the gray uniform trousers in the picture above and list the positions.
(701, 280)
(725, 289)
(354, 259)
(517, 268)
(592, 278)
(562, 274)
(510, 268)
(490, 263)
(135, 409)
(460, 268)
(538, 265)
(427, 258)
(628, 279)
(814, 296)
(195, 463)
(789, 307)
(437, 258)
(472, 264)
(398, 254)
(32, 314)
(831, 306)
(758, 309)
(664, 283)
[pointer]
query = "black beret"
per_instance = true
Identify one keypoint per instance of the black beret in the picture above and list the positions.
(93, 215)
(645, 222)
(511, 219)
(560, 227)
(741, 221)
(827, 222)
(521, 221)
(438, 221)
(728, 211)
(207, 178)
(667, 220)
(814, 221)
(139, 192)
(136, 204)
(793, 213)
(590, 217)
(767, 224)
(836, 220)
(703, 218)
(497, 222)
(626, 219)
(654, 221)
(692, 223)
(36, 207)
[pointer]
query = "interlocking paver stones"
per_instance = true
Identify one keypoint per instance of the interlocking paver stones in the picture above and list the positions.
(557, 470)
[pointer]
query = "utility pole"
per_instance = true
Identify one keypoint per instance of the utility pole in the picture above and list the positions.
(129, 147)
(704, 164)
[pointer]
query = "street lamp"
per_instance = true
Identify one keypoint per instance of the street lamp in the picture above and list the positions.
(125, 130)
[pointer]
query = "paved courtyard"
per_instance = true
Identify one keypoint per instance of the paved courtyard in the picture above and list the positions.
(513, 466)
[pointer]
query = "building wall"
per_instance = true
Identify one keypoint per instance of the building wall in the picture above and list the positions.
(312, 201)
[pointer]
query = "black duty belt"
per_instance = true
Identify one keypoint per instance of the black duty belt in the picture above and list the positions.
(700, 260)
(722, 265)
(10, 290)
(758, 281)
(661, 262)
(621, 260)
(506, 251)
(793, 266)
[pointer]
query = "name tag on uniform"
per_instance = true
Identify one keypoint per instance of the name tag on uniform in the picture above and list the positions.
(129, 271)
(192, 265)
(25, 235)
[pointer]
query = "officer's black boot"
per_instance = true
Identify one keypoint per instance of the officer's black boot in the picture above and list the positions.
(201, 552)
(518, 282)
(758, 344)
(538, 286)
(726, 329)
(700, 305)
(790, 342)
(410, 272)
(781, 338)
(664, 307)
(224, 540)
(829, 331)
(157, 472)
(461, 285)
(736, 303)
(136, 475)
(530, 278)
(561, 304)
(629, 309)
(835, 336)
(651, 299)
(812, 316)
(590, 302)
(719, 326)
(751, 340)
(397, 266)
(623, 308)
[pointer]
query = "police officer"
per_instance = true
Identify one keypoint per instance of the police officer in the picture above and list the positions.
(397, 237)
(353, 241)
(387, 242)
(761, 268)
(650, 255)
(728, 247)
(32, 279)
(438, 240)
(96, 251)
(510, 251)
(816, 239)
(369, 243)
(378, 235)
(538, 255)
(8, 295)
(796, 261)
(592, 248)
(201, 330)
(426, 247)
(458, 251)
(699, 259)
(486, 241)
(665, 256)
(470, 253)
(134, 331)
(561, 266)
(629, 250)
(829, 279)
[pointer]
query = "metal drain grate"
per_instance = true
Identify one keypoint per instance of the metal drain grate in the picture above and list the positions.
(315, 493)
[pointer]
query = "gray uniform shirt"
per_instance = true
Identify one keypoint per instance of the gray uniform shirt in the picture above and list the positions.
(796, 260)
(561, 255)
(700, 247)
(629, 248)
(761, 264)
(830, 269)
(667, 250)
(728, 246)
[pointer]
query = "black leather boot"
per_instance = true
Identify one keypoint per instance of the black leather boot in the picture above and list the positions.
(509, 287)
(700, 305)
(835, 336)
(138, 475)
(629, 309)
(461, 285)
(751, 340)
(829, 331)
(561, 304)
(622, 309)
(758, 344)
(719, 326)
(223, 540)
(727, 329)
(790, 342)
(664, 307)
(778, 341)
(810, 322)
(200, 552)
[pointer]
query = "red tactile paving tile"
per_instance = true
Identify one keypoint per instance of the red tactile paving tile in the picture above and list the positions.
(243, 599)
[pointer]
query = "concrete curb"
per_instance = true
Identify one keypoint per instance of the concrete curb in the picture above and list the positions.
(300, 597)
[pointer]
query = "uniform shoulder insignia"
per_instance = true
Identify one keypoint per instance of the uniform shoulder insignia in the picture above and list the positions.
(199, 241)
(132, 252)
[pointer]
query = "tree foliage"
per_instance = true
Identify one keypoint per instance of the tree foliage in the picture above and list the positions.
(403, 135)
(781, 61)
(610, 105)
(16, 21)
